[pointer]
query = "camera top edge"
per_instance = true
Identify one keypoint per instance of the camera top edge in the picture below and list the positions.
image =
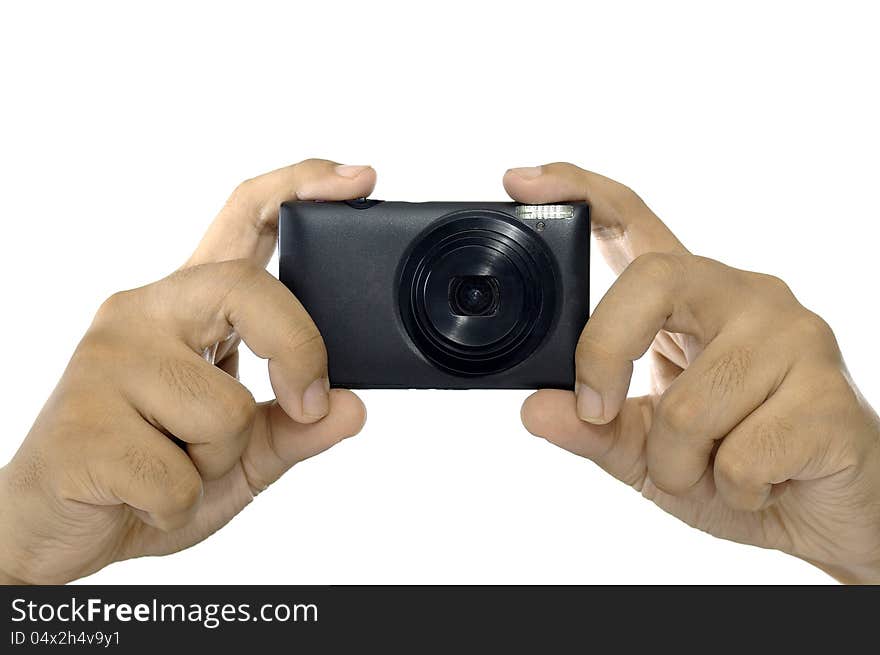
(372, 202)
(577, 210)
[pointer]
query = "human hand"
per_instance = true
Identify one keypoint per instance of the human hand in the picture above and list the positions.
(149, 443)
(754, 431)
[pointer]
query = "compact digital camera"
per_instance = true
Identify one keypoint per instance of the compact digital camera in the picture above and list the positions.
(448, 295)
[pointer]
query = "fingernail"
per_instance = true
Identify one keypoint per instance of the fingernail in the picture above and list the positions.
(316, 399)
(528, 172)
(589, 404)
(347, 170)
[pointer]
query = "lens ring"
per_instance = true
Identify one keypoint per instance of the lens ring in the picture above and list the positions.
(514, 333)
(463, 335)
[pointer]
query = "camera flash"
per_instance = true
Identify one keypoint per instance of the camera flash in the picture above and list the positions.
(544, 212)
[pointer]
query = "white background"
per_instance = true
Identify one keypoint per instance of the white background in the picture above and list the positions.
(752, 130)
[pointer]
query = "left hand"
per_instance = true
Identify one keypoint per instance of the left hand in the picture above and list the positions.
(146, 448)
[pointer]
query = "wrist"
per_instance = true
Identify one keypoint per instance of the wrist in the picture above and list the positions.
(6, 532)
(862, 574)
(6, 580)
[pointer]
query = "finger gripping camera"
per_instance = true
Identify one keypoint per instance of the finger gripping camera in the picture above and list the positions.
(452, 295)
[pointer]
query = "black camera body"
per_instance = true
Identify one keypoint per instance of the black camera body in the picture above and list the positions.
(442, 295)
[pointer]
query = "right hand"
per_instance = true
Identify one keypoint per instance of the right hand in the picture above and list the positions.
(754, 431)
(149, 443)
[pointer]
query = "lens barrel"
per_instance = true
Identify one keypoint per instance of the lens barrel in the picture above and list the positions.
(478, 292)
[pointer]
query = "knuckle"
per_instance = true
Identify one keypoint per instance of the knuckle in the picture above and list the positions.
(624, 194)
(813, 328)
(622, 200)
(590, 348)
(304, 339)
(768, 291)
(839, 398)
(733, 469)
(665, 475)
(183, 493)
(250, 199)
(563, 167)
(745, 461)
(682, 413)
(243, 195)
(729, 372)
(771, 283)
(241, 410)
(656, 266)
(618, 195)
(119, 304)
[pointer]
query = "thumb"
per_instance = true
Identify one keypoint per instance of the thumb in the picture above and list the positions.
(246, 227)
(278, 442)
(624, 226)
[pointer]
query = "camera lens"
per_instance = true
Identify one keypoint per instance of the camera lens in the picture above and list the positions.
(474, 295)
(478, 292)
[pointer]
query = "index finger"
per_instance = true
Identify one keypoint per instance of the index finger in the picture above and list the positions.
(680, 293)
(204, 304)
(624, 226)
(247, 225)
